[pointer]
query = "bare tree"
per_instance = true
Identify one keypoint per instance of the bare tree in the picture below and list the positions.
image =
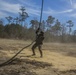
(70, 25)
(34, 24)
(16, 20)
(9, 19)
(50, 21)
(1, 21)
(23, 15)
(63, 32)
(56, 28)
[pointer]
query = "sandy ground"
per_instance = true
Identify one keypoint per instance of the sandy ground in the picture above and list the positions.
(58, 59)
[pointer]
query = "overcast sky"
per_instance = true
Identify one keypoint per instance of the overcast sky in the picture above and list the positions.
(63, 10)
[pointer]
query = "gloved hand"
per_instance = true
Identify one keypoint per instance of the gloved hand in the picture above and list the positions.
(37, 30)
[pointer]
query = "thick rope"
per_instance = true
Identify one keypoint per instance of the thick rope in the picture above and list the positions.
(11, 59)
(41, 13)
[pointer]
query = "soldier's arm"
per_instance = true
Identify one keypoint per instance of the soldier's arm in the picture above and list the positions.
(37, 30)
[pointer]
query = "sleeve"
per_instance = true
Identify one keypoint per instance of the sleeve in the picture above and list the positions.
(37, 30)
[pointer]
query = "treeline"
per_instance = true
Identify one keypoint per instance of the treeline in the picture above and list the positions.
(16, 31)
(55, 33)
(54, 30)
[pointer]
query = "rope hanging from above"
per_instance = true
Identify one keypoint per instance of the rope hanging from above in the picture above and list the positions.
(41, 13)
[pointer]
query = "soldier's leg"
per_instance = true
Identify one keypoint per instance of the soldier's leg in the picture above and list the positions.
(33, 48)
(40, 50)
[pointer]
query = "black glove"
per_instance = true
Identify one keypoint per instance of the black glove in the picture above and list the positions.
(37, 30)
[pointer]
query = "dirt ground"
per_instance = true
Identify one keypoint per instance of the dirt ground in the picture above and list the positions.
(58, 59)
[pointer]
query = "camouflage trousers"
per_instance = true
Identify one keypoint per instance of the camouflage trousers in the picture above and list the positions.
(39, 48)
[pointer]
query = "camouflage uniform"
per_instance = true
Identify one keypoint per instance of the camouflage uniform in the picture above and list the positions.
(38, 42)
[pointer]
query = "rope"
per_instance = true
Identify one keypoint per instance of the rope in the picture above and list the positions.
(11, 59)
(41, 13)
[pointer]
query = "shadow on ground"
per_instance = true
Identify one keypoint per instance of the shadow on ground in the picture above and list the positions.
(31, 67)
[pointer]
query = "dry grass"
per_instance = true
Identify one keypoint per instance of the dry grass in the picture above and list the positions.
(62, 56)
